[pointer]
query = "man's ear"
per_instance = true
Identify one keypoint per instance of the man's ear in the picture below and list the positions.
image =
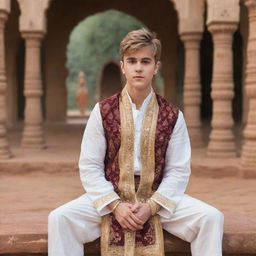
(122, 66)
(158, 64)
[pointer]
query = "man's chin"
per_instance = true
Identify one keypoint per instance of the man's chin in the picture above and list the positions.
(140, 86)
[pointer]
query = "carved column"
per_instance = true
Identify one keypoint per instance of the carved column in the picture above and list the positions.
(33, 135)
(192, 87)
(221, 142)
(4, 145)
(248, 156)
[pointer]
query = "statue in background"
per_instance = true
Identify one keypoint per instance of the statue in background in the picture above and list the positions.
(82, 93)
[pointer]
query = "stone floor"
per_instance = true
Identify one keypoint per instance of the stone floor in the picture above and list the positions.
(35, 182)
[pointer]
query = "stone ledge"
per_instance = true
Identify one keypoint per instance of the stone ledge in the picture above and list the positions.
(37, 243)
(201, 168)
(27, 233)
(201, 165)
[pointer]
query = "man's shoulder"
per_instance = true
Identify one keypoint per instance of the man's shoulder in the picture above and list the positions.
(113, 99)
(164, 103)
(110, 106)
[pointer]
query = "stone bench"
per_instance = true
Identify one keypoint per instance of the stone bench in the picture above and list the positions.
(27, 234)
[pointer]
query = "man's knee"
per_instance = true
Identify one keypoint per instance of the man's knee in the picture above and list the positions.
(213, 215)
(56, 216)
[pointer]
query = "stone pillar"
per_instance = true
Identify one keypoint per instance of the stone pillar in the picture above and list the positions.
(192, 87)
(4, 145)
(33, 135)
(248, 156)
(222, 143)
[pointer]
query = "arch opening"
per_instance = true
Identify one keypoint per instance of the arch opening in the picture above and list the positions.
(94, 49)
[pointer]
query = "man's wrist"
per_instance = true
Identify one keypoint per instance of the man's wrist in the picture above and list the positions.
(113, 205)
(154, 207)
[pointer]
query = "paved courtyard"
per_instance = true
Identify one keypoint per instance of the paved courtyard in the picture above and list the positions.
(35, 182)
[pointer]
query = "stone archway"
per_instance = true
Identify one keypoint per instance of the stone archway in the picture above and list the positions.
(55, 43)
(110, 80)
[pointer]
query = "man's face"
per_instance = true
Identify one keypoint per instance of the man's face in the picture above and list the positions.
(139, 68)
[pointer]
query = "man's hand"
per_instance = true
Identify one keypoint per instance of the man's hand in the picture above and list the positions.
(142, 211)
(126, 218)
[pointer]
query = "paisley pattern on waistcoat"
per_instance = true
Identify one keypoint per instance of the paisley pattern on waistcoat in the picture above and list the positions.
(165, 120)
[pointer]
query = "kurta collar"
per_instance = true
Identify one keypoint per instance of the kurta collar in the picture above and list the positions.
(145, 102)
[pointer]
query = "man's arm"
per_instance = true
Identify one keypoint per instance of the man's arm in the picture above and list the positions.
(91, 164)
(177, 170)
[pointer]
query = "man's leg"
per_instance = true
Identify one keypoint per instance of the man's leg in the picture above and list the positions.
(198, 223)
(71, 225)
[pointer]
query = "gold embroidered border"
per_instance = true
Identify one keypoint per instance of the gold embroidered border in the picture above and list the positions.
(158, 248)
(107, 250)
(164, 201)
(126, 152)
(105, 199)
(147, 144)
(126, 179)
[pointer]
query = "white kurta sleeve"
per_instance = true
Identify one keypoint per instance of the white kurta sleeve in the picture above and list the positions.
(91, 164)
(177, 169)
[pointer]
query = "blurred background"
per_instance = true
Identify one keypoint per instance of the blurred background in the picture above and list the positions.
(58, 58)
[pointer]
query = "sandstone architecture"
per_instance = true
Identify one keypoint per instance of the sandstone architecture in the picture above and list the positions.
(197, 35)
(110, 80)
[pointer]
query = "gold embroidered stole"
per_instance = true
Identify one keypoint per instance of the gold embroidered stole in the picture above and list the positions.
(126, 180)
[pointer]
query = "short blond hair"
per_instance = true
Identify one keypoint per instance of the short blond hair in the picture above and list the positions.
(138, 39)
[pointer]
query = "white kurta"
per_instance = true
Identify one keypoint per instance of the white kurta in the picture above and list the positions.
(177, 165)
(78, 222)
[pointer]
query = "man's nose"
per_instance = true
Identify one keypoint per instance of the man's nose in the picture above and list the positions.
(138, 67)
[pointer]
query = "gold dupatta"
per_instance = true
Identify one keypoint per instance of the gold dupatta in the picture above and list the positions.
(126, 180)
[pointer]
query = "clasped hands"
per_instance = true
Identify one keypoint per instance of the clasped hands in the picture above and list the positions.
(131, 216)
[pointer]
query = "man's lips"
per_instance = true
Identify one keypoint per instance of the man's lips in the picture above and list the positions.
(138, 77)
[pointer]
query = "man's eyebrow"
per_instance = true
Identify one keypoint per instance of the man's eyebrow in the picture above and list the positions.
(144, 58)
(131, 58)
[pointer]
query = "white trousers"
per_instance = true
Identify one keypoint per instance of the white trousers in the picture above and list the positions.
(77, 222)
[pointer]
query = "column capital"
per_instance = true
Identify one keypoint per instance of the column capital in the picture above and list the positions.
(223, 27)
(5, 5)
(190, 15)
(32, 35)
(33, 15)
(223, 11)
(191, 36)
(32, 39)
(3, 15)
(250, 3)
(191, 40)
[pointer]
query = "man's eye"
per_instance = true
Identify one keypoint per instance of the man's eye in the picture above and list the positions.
(145, 62)
(131, 61)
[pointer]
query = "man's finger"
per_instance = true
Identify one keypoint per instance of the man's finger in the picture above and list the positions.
(129, 226)
(136, 219)
(134, 224)
(129, 205)
(135, 207)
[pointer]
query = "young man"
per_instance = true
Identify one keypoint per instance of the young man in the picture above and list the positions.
(135, 167)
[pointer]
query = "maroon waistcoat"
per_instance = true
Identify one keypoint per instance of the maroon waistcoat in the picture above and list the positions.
(167, 117)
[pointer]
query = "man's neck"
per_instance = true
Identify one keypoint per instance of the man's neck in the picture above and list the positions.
(138, 96)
